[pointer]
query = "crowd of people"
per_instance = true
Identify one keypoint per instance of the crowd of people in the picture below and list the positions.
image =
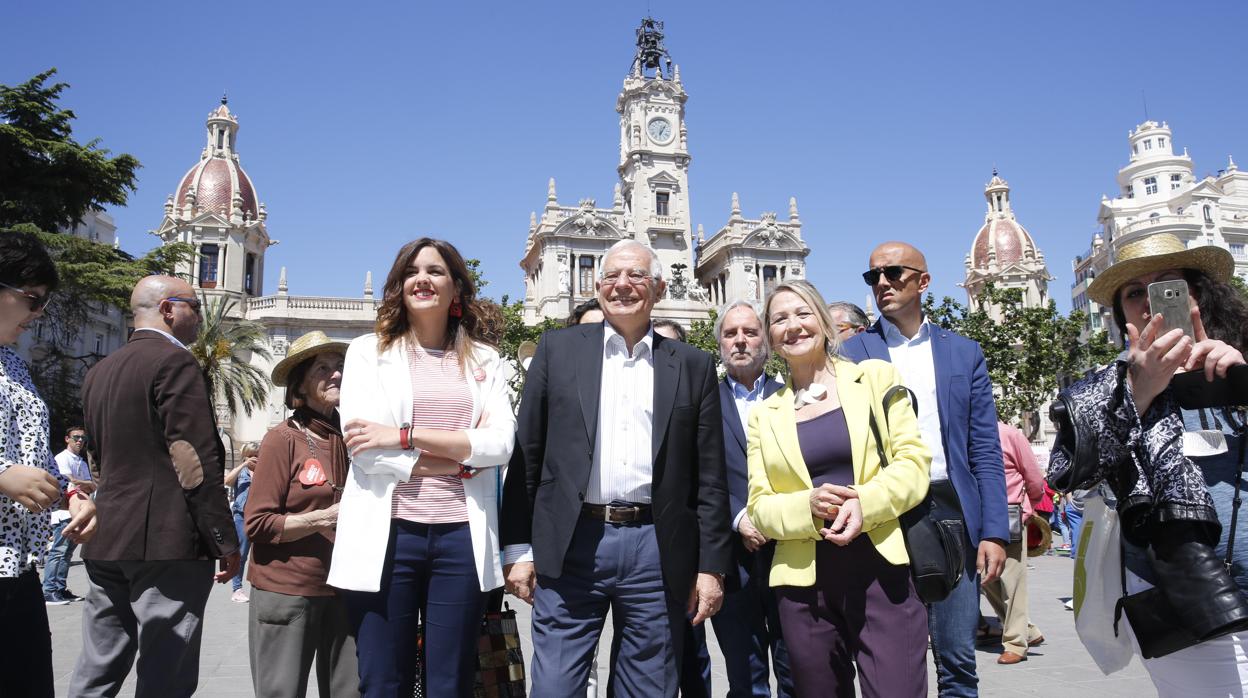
(634, 478)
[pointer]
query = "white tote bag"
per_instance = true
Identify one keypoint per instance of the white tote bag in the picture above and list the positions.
(1098, 586)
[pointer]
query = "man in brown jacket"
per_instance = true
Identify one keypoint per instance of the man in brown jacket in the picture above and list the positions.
(161, 501)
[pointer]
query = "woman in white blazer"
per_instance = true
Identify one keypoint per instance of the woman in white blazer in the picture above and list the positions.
(429, 424)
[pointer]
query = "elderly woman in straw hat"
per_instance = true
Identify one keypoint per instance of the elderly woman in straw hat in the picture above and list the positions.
(295, 617)
(1174, 472)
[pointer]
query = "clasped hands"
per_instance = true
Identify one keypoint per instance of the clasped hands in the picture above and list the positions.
(842, 506)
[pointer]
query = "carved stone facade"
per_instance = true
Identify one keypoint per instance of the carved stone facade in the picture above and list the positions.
(1004, 253)
(217, 210)
(565, 245)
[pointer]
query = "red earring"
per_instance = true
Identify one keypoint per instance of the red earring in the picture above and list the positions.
(456, 310)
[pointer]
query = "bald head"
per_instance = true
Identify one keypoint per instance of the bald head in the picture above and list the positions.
(900, 280)
(895, 252)
(153, 308)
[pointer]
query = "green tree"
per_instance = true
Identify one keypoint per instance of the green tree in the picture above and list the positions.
(1029, 352)
(48, 183)
(1239, 285)
(47, 178)
(221, 350)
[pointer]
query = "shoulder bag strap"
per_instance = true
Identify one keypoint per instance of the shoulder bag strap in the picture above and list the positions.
(1241, 430)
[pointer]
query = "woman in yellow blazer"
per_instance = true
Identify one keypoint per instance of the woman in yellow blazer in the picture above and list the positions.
(816, 485)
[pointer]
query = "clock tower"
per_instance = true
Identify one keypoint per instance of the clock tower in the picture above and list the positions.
(654, 153)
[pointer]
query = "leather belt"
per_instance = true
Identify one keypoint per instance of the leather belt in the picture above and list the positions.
(615, 513)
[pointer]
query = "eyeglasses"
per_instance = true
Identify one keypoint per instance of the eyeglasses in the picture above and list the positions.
(193, 302)
(37, 303)
(635, 277)
(891, 272)
(77, 438)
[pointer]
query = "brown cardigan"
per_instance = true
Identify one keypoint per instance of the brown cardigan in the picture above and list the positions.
(298, 568)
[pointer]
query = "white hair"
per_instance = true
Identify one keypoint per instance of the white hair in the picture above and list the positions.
(656, 267)
(758, 313)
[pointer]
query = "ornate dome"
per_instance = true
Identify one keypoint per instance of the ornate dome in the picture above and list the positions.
(217, 180)
(1001, 240)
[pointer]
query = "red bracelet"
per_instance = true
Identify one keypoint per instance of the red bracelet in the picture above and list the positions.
(405, 437)
(69, 493)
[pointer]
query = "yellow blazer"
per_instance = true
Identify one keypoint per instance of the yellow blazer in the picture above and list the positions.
(780, 485)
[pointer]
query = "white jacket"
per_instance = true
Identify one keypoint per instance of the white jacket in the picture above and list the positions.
(378, 388)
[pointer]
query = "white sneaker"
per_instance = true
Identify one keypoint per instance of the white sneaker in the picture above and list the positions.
(239, 596)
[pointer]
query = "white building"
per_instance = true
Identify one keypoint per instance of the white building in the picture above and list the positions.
(1159, 192)
(1005, 254)
(565, 244)
(216, 209)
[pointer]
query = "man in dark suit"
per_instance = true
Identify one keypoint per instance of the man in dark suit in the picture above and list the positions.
(748, 626)
(958, 421)
(615, 495)
(164, 517)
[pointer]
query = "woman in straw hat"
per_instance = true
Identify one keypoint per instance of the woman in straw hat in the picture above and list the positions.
(1174, 472)
(428, 421)
(296, 617)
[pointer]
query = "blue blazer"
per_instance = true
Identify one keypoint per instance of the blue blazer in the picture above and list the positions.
(968, 425)
(738, 475)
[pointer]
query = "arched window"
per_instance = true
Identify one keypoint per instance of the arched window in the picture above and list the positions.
(1208, 213)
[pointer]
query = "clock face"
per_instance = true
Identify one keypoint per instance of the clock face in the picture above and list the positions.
(660, 130)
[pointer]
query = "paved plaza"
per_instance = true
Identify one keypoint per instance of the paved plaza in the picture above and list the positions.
(1060, 667)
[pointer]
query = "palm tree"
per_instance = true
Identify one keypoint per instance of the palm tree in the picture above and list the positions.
(221, 343)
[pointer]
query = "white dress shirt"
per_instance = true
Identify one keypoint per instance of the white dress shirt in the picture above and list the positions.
(168, 336)
(745, 400)
(623, 466)
(913, 359)
(73, 466)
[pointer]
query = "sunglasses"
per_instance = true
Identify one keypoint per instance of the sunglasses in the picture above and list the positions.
(193, 302)
(891, 272)
(37, 303)
(77, 438)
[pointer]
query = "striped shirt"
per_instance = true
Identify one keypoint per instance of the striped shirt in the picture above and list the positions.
(441, 399)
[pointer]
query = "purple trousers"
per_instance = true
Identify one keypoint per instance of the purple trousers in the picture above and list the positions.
(861, 610)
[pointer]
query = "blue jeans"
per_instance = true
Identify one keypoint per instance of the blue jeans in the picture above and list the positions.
(607, 566)
(1074, 520)
(244, 547)
(430, 574)
(56, 568)
(951, 624)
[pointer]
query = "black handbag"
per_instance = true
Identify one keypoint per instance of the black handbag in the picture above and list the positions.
(937, 555)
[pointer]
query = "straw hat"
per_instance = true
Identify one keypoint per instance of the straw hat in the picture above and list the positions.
(1039, 536)
(1159, 252)
(306, 347)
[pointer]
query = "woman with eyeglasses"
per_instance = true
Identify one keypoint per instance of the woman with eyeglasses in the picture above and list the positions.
(816, 486)
(428, 420)
(31, 486)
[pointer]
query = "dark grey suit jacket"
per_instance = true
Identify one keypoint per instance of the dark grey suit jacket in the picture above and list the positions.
(556, 429)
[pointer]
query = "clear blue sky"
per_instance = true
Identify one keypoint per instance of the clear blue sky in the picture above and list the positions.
(366, 124)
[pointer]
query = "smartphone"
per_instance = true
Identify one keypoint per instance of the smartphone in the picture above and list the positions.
(1170, 300)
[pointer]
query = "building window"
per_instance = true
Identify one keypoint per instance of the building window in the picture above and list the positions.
(1161, 142)
(1208, 213)
(660, 204)
(249, 275)
(1135, 150)
(1237, 249)
(769, 279)
(99, 344)
(1150, 185)
(220, 139)
(1130, 192)
(208, 266)
(1175, 181)
(585, 275)
(1148, 144)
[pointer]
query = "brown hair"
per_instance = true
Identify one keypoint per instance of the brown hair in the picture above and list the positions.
(480, 323)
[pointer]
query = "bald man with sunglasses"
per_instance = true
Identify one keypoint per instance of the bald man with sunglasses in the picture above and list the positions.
(958, 420)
